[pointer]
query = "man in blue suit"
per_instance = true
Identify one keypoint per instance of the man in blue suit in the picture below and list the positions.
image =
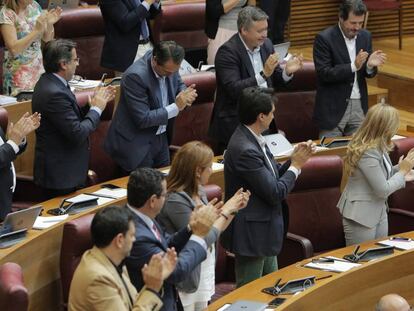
(152, 95)
(147, 189)
(256, 234)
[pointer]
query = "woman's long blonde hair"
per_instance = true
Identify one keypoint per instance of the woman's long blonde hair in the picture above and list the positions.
(183, 173)
(380, 125)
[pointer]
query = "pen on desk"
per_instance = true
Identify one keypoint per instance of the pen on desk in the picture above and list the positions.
(400, 238)
(277, 282)
(102, 195)
(356, 250)
(323, 277)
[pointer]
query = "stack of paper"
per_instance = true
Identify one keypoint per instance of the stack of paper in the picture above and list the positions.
(399, 244)
(46, 222)
(7, 99)
(117, 193)
(339, 265)
(84, 84)
(84, 197)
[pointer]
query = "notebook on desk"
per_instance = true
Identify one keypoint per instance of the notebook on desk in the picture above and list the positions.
(16, 224)
(282, 49)
(278, 145)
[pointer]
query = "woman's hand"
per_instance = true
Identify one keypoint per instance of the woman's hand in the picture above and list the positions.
(41, 23)
(53, 15)
(237, 202)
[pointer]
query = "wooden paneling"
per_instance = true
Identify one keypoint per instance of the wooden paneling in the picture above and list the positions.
(308, 17)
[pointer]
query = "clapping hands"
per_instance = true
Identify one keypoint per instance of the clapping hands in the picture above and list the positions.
(27, 124)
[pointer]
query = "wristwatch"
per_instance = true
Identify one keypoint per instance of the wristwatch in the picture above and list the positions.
(263, 75)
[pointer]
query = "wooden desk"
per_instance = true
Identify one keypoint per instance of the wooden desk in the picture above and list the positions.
(357, 289)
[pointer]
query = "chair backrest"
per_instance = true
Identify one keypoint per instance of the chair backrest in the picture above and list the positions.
(76, 239)
(13, 293)
(193, 122)
(312, 203)
(85, 27)
(183, 23)
(4, 119)
(296, 102)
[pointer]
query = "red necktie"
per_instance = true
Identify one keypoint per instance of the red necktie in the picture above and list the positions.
(157, 233)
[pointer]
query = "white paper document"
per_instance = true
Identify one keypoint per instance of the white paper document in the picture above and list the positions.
(339, 265)
(401, 245)
(112, 193)
(46, 222)
(84, 197)
(84, 84)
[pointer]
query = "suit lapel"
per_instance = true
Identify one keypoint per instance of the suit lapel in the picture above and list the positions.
(264, 55)
(66, 90)
(341, 46)
(244, 56)
(154, 84)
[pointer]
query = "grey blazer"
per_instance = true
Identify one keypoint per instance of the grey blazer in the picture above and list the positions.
(174, 216)
(365, 195)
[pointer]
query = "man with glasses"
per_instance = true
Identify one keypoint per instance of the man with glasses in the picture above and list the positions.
(62, 140)
(152, 95)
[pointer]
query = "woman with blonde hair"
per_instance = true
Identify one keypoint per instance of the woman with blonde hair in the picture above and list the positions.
(190, 171)
(369, 177)
(23, 26)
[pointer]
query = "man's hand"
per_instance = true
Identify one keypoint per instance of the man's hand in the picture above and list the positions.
(203, 217)
(27, 124)
(169, 261)
(53, 15)
(376, 59)
(294, 64)
(152, 273)
(237, 202)
(101, 97)
(271, 63)
(301, 154)
(186, 97)
(360, 59)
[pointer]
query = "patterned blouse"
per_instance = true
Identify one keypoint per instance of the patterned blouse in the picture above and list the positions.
(22, 71)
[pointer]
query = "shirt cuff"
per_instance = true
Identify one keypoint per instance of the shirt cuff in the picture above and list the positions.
(353, 67)
(285, 76)
(259, 79)
(146, 5)
(14, 146)
(199, 240)
(98, 110)
(172, 110)
(294, 170)
(156, 5)
(370, 71)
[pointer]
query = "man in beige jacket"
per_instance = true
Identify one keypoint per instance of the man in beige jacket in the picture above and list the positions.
(101, 281)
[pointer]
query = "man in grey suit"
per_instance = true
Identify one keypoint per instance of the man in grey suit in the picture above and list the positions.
(10, 148)
(256, 234)
(62, 140)
(152, 95)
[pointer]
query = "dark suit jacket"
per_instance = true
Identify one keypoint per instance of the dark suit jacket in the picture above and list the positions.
(259, 229)
(234, 73)
(7, 155)
(122, 20)
(190, 254)
(139, 113)
(335, 77)
(62, 140)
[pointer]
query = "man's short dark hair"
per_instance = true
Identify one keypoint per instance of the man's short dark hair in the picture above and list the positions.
(142, 184)
(357, 7)
(108, 223)
(254, 101)
(56, 51)
(166, 50)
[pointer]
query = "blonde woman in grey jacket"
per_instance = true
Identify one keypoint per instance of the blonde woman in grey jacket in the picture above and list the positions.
(369, 177)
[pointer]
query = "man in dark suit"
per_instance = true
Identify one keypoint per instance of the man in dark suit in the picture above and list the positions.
(127, 32)
(256, 234)
(278, 11)
(10, 148)
(62, 140)
(147, 189)
(247, 59)
(152, 95)
(343, 60)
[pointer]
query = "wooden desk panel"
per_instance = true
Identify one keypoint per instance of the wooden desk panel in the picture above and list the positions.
(357, 289)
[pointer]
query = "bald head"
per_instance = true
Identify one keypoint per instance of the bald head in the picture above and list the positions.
(392, 302)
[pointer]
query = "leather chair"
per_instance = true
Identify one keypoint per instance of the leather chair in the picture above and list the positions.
(386, 6)
(312, 209)
(183, 23)
(193, 122)
(294, 110)
(85, 27)
(13, 293)
(76, 239)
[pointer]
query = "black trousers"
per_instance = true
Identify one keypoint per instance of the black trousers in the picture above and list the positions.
(278, 11)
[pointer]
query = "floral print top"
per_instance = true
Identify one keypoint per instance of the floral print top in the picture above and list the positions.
(22, 71)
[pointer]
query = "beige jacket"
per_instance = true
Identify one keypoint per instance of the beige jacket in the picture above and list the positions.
(97, 286)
